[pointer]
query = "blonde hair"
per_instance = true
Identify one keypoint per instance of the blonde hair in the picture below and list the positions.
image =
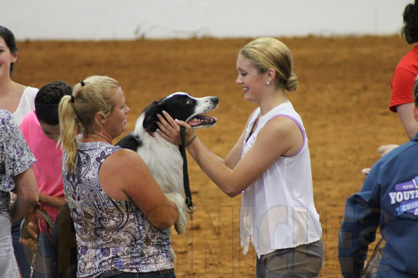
(77, 113)
(265, 53)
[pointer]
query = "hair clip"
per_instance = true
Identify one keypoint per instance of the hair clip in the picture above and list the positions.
(82, 83)
(72, 99)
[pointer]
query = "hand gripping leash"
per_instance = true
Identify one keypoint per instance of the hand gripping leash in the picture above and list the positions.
(190, 206)
(38, 211)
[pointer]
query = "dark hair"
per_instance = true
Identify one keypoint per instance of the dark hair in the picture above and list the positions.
(415, 91)
(10, 40)
(410, 19)
(47, 101)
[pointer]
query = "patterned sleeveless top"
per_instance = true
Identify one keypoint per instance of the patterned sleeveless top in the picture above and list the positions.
(15, 158)
(111, 235)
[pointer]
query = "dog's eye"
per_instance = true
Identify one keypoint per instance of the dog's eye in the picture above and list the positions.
(189, 101)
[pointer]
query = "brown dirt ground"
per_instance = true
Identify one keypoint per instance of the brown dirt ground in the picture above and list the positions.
(343, 98)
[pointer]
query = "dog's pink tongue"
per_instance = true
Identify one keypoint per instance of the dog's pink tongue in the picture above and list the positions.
(194, 122)
(202, 120)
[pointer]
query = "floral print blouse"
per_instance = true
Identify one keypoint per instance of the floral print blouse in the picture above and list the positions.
(111, 235)
(15, 157)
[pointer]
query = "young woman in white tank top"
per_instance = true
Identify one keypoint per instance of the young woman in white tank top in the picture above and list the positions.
(269, 166)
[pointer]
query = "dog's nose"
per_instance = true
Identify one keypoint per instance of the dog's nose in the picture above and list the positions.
(215, 100)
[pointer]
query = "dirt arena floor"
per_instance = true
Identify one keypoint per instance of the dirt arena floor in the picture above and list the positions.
(343, 96)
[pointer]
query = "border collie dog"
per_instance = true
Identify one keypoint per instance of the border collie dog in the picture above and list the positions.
(163, 158)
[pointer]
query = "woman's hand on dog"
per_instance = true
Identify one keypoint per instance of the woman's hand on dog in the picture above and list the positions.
(169, 129)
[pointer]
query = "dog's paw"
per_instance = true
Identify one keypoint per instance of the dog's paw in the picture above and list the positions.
(181, 222)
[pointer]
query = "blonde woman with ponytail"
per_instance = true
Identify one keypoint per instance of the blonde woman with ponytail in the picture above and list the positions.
(114, 201)
(269, 166)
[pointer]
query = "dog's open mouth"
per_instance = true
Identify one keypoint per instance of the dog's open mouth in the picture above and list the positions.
(202, 121)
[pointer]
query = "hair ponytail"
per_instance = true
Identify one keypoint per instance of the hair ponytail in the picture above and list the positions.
(410, 20)
(69, 131)
(291, 83)
(77, 113)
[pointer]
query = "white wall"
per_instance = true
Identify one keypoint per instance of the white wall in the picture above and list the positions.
(131, 19)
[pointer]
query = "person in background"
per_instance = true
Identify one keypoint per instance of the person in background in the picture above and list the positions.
(14, 97)
(387, 201)
(121, 216)
(19, 100)
(41, 131)
(402, 101)
(269, 166)
(16, 175)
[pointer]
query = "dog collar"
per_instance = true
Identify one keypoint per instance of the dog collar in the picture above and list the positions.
(150, 133)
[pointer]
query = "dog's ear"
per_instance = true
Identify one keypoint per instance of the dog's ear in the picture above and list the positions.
(130, 141)
(150, 118)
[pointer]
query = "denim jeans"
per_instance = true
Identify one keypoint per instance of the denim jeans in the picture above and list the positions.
(169, 273)
(23, 258)
(43, 263)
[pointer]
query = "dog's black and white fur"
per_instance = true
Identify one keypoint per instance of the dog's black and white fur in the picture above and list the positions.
(163, 158)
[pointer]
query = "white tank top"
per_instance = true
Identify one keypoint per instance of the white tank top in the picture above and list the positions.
(277, 210)
(26, 104)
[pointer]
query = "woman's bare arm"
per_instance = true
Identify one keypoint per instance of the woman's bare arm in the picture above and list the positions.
(27, 194)
(406, 114)
(125, 175)
(280, 136)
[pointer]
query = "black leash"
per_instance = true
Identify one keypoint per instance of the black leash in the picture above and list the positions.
(186, 183)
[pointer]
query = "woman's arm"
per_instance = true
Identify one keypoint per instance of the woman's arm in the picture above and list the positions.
(234, 155)
(27, 194)
(56, 202)
(231, 159)
(407, 116)
(125, 175)
(280, 136)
